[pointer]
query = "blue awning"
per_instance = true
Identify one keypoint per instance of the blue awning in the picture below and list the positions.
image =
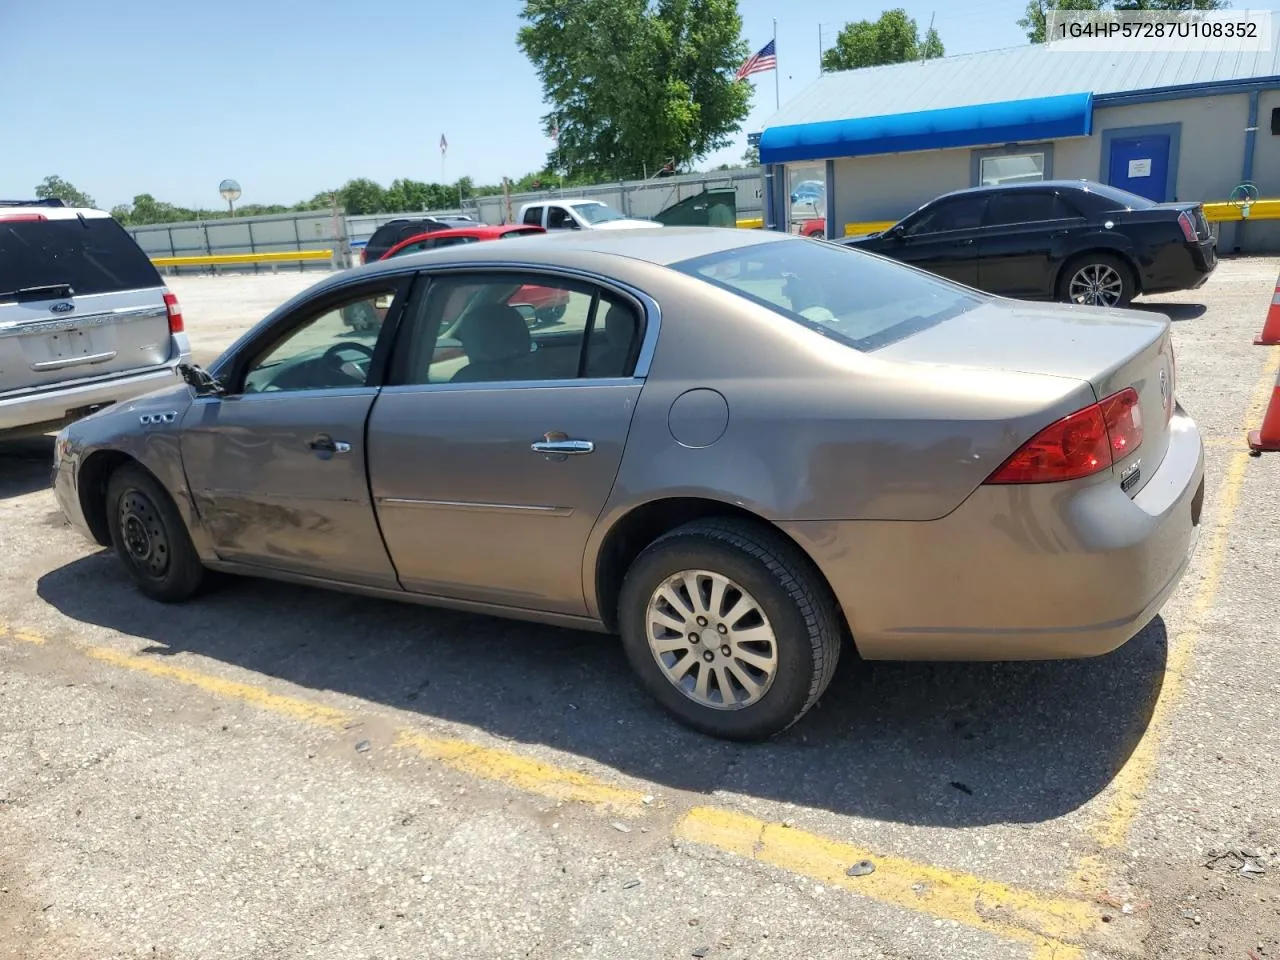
(1013, 121)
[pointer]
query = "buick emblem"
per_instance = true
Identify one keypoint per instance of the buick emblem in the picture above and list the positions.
(65, 306)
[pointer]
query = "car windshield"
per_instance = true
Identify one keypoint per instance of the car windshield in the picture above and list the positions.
(858, 299)
(596, 212)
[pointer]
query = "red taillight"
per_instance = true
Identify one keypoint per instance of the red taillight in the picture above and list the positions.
(1078, 445)
(22, 217)
(1188, 226)
(176, 324)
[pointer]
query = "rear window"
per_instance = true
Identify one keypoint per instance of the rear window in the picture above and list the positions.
(856, 298)
(1113, 198)
(91, 254)
(507, 235)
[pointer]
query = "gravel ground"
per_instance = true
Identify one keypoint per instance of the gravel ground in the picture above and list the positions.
(171, 811)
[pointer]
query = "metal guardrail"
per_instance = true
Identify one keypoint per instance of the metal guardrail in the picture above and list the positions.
(242, 259)
(1227, 212)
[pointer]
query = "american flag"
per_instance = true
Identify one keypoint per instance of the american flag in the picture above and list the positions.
(444, 144)
(766, 59)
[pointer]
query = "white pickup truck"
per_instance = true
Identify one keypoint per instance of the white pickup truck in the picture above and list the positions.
(577, 215)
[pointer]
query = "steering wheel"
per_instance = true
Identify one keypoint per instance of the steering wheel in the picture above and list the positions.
(333, 356)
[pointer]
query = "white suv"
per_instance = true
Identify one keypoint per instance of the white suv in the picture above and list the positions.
(85, 320)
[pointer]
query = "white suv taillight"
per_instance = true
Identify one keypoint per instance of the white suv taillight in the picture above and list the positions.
(176, 324)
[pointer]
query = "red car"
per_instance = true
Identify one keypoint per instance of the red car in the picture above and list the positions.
(548, 305)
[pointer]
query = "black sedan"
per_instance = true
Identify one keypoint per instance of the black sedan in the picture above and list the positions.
(1071, 240)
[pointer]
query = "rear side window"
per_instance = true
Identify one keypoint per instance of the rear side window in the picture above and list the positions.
(533, 216)
(1027, 206)
(91, 254)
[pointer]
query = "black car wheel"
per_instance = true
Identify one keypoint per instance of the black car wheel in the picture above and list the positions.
(730, 628)
(150, 537)
(1097, 280)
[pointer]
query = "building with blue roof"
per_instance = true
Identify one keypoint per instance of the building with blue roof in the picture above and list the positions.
(871, 145)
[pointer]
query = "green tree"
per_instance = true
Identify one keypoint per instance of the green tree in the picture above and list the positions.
(894, 38)
(52, 187)
(751, 156)
(362, 195)
(635, 82)
(1170, 5)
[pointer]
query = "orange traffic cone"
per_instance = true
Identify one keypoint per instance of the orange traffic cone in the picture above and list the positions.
(1267, 440)
(1270, 335)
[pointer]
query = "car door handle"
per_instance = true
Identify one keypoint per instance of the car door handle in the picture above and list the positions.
(323, 443)
(558, 443)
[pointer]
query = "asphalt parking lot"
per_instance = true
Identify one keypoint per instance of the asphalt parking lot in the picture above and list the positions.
(278, 772)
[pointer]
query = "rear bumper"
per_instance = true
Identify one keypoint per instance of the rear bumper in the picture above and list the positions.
(1019, 572)
(1184, 266)
(59, 403)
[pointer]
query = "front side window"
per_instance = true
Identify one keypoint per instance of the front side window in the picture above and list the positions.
(330, 349)
(511, 327)
(1011, 168)
(558, 218)
(958, 213)
(857, 299)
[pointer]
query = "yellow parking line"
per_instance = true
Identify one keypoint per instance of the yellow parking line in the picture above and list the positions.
(246, 693)
(487, 763)
(1111, 828)
(22, 636)
(987, 905)
(531, 776)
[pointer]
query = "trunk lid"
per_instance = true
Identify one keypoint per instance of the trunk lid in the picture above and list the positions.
(1108, 348)
(78, 300)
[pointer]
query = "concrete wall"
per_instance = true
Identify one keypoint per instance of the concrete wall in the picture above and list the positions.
(1211, 154)
(890, 186)
(1264, 235)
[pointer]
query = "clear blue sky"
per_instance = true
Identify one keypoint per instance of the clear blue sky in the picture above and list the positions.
(130, 96)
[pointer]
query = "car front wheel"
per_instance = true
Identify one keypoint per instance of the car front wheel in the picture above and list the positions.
(730, 628)
(150, 538)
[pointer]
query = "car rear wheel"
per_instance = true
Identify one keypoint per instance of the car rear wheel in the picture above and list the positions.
(730, 628)
(150, 538)
(1097, 280)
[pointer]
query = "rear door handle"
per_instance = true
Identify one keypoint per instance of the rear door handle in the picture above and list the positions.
(323, 443)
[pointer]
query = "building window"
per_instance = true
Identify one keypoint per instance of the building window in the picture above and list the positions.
(1012, 168)
(1015, 163)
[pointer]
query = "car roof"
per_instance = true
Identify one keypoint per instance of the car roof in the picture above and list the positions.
(661, 247)
(1081, 184)
(481, 231)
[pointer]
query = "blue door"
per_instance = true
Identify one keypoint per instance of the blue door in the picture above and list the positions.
(1141, 165)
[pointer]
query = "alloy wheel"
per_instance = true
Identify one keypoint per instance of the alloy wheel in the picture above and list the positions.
(712, 639)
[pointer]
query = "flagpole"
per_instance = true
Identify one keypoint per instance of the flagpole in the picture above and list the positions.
(776, 103)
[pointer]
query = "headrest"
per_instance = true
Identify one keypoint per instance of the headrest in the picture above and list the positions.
(494, 333)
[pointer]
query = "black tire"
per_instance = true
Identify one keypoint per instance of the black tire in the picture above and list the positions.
(1100, 262)
(790, 593)
(150, 538)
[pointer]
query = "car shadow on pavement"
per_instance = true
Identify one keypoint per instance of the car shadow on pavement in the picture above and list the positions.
(25, 466)
(1176, 312)
(924, 744)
